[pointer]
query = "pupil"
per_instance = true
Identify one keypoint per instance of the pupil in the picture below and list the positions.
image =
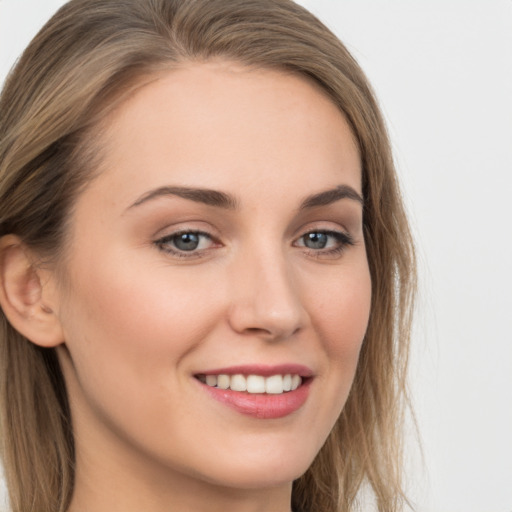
(316, 240)
(187, 241)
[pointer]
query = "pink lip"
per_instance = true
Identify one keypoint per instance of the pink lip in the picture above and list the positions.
(263, 370)
(262, 406)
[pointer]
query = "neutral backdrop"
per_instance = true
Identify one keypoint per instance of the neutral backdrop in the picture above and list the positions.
(442, 70)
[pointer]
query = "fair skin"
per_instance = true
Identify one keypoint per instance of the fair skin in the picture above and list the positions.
(270, 275)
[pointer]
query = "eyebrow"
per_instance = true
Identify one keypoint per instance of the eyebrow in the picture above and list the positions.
(199, 195)
(331, 196)
(227, 201)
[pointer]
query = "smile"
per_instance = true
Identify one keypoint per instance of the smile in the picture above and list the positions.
(260, 391)
(273, 384)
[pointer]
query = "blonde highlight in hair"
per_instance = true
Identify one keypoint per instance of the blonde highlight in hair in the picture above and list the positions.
(87, 60)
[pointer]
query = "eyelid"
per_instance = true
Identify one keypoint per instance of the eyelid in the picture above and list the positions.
(163, 243)
(336, 233)
(343, 237)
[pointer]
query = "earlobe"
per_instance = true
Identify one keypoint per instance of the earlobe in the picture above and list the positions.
(22, 295)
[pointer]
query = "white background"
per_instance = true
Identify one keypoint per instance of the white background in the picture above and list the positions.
(442, 70)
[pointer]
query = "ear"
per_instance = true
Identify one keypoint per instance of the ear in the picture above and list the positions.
(27, 293)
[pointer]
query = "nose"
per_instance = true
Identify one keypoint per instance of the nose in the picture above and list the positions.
(265, 298)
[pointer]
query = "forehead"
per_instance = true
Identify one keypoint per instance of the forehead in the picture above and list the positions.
(220, 124)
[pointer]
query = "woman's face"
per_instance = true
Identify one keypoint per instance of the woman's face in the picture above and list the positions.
(220, 247)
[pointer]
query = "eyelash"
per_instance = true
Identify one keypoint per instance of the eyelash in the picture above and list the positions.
(164, 243)
(343, 240)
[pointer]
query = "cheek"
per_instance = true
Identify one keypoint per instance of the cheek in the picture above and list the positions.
(130, 317)
(341, 318)
(342, 314)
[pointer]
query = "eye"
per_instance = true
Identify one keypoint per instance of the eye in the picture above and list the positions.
(185, 243)
(317, 240)
(325, 243)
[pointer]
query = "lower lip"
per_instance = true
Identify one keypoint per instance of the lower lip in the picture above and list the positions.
(262, 406)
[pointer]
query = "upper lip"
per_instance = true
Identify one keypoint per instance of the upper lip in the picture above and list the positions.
(261, 369)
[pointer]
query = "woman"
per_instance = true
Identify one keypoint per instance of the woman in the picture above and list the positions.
(207, 273)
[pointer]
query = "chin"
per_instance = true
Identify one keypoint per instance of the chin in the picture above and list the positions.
(261, 466)
(263, 477)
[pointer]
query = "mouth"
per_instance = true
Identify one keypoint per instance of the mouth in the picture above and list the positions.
(253, 384)
(259, 391)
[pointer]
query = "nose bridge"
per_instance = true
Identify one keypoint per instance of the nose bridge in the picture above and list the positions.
(266, 298)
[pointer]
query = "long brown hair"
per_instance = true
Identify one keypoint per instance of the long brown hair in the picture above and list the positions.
(89, 57)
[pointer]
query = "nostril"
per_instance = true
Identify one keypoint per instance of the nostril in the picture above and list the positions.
(278, 330)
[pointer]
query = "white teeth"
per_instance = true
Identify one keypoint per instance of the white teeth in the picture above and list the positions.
(223, 381)
(273, 385)
(238, 383)
(255, 384)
